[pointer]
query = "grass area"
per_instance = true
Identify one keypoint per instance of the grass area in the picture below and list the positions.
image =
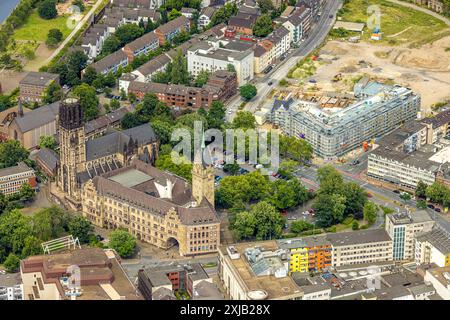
(387, 210)
(210, 265)
(305, 68)
(405, 25)
(37, 28)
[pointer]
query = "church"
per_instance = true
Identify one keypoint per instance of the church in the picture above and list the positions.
(113, 180)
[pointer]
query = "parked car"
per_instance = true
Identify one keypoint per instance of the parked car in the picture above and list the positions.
(100, 238)
(396, 191)
(369, 195)
(437, 209)
(430, 206)
(270, 83)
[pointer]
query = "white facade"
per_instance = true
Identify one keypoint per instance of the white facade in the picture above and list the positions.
(211, 58)
(440, 279)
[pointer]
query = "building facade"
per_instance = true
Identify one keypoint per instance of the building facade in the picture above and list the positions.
(433, 247)
(12, 178)
(34, 85)
(403, 228)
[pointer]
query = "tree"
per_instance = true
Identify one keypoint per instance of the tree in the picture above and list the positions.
(80, 228)
(114, 104)
(111, 44)
(14, 229)
(244, 120)
(231, 68)
(123, 242)
(52, 93)
(329, 209)
(130, 120)
(164, 162)
(300, 226)
(49, 223)
(11, 153)
(405, 196)
(47, 9)
(437, 192)
(128, 32)
(79, 4)
(421, 204)
(202, 78)
(287, 194)
(355, 225)
(173, 14)
(216, 115)
(32, 246)
(245, 225)
(263, 26)
(231, 168)
(297, 149)
(356, 198)
(90, 74)
(12, 263)
(179, 73)
(269, 222)
(247, 91)
(26, 192)
(54, 37)
(88, 100)
(163, 130)
(265, 5)
(421, 189)
(370, 212)
(330, 180)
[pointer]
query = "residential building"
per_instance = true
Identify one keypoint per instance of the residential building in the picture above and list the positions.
(99, 126)
(205, 16)
(365, 246)
(47, 277)
(12, 178)
(156, 207)
(307, 254)
(433, 247)
(169, 30)
(243, 22)
(211, 57)
(440, 279)
(145, 72)
(262, 55)
(403, 228)
(92, 41)
(403, 158)
(299, 24)
(438, 126)
(28, 127)
(256, 271)
(142, 45)
(220, 86)
(34, 85)
(11, 287)
(333, 130)
(187, 12)
(111, 63)
(145, 4)
(175, 278)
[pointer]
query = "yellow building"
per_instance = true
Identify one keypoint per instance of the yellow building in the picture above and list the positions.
(433, 247)
(299, 260)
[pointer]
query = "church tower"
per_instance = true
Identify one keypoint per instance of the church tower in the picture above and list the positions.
(72, 146)
(202, 181)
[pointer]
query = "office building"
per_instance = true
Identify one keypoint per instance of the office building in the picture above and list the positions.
(433, 247)
(12, 178)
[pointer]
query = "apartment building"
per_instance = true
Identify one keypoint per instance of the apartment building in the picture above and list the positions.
(220, 86)
(169, 30)
(145, 4)
(211, 57)
(34, 85)
(433, 247)
(365, 246)
(11, 287)
(299, 24)
(142, 45)
(92, 41)
(308, 254)
(256, 271)
(333, 132)
(271, 48)
(12, 178)
(160, 283)
(47, 277)
(438, 126)
(403, 227)
(205, 16)
(111, 63)
(440, 279)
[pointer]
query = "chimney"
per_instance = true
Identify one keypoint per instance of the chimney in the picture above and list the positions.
(20, 110)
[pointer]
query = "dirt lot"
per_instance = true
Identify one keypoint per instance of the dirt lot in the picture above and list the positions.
(10, 79)
(425, 70)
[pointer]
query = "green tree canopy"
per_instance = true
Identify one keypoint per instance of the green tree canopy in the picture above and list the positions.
(11, 153)
(47, 9)
(244, 120)
(370, 212)
(263, 26)
(248, 91)
(123, 242)
(79, 227)
(12, 263)
(88, 100)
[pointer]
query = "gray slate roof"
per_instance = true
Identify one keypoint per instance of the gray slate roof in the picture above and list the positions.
(38, 117)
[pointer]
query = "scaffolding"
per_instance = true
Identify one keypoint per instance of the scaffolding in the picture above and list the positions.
(63, 243)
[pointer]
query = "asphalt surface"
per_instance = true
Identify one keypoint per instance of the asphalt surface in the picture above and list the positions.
(317, 35)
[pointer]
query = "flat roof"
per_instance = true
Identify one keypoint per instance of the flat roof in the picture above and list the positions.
(276, 288)
(131, 178)
(358, 237)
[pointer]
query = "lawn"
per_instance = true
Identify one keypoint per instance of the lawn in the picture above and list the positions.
(37, 28)
(399, 25)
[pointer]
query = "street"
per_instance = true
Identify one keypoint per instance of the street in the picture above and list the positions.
(317, 35)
